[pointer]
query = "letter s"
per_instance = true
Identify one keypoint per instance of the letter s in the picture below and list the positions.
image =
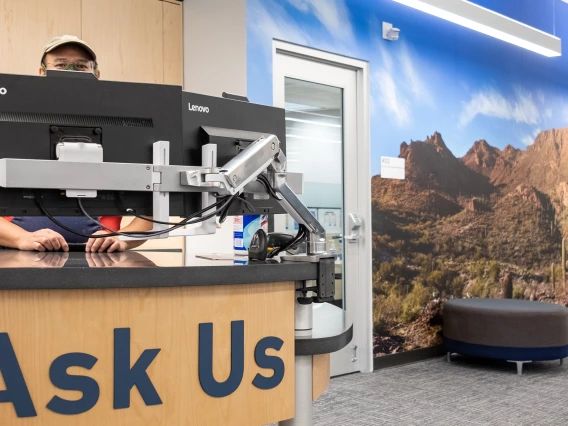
(87, 385)
(271, 362)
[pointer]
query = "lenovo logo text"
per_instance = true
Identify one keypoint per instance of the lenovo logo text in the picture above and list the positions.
(197, 108)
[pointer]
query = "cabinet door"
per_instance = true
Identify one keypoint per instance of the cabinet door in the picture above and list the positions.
(173, 42)
(27, 25)
(128, 38)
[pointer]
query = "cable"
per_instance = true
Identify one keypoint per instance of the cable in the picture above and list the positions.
(187, 221)
(131, 211)
(50, 217)
(225, 203)
(295, 241)
(267, 186)
(300, 236)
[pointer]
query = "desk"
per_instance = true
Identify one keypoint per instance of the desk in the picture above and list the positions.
(93, 339)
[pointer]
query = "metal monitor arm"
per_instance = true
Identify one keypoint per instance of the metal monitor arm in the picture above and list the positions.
(265, 156)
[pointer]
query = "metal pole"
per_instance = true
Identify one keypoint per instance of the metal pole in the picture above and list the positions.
(303, 324)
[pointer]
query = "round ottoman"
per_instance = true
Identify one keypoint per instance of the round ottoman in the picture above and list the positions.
(513, 330)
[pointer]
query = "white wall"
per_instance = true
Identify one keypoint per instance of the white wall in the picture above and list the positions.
(215, 47)
(215, 61)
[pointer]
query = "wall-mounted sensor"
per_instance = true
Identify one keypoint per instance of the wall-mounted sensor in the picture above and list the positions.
(389, 32)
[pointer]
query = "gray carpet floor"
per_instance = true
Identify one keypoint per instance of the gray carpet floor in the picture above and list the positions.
(464, 392)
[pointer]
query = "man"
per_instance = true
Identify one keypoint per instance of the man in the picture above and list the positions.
(39, 233)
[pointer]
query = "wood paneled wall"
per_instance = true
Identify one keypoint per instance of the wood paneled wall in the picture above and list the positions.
(135, 40)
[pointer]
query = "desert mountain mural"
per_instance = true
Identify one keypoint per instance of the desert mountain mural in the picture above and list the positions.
(489, 224)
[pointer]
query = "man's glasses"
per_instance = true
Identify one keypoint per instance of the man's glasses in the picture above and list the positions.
(80, 65)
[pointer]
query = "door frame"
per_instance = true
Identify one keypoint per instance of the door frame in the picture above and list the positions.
(364, 291)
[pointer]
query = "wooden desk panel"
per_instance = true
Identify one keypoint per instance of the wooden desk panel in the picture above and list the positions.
(44, 324)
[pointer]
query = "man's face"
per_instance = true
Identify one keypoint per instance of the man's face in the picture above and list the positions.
(69, 56)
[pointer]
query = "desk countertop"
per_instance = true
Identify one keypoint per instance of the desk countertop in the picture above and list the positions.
(33, 270)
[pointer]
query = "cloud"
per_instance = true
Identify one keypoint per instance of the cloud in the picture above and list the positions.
(492, 103)
(275, 23)
(396, 85)
(332, 14)
(548, 113)
(303, 5)
(529, 139)
(270, 19)
(540, 96)
(413, 80)
(392, 100)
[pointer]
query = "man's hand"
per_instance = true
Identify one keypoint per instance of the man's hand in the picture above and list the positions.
(105, 260)
(108, 244)
(42, 240)
(49, 260)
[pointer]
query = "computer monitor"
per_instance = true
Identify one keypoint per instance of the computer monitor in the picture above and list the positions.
(126, 118)
(232, 125)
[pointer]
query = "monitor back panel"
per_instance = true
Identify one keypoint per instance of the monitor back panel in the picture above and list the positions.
(126, 118)
(199, 111)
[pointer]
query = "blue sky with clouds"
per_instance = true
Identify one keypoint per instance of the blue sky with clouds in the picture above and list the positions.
(437, 77)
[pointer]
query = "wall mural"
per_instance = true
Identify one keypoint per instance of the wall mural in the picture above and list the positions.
(482, 125)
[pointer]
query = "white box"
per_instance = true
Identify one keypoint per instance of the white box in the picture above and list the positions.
(393, 168)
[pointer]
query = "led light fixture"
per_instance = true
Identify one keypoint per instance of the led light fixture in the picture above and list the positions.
(486, 21)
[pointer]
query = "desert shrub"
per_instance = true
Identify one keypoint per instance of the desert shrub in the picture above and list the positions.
(423, 261)
(494, 271)
(480, 289)
(398, 245)
(477, 270)
(390, 274)
(426, 238)
(518, 292)
(386, 310)
(456, 287)
(434, 279)
(414, 302)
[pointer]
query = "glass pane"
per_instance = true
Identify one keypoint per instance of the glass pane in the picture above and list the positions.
(314, 147)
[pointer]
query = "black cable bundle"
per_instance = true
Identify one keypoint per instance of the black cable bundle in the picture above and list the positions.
(300, 236)
(224, 204)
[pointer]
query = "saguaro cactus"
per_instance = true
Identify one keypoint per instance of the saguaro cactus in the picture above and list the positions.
(553, 279)
(563, 266)
(507, 286)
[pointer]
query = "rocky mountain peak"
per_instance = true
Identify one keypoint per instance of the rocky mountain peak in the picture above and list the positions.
(431, 165)
(436, 141)
(482, 158)
(510, 149)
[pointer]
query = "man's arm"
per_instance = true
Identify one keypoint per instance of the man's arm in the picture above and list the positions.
(13, 236)
(112, 244)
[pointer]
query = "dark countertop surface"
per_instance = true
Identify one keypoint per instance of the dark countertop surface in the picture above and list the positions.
(32, 270)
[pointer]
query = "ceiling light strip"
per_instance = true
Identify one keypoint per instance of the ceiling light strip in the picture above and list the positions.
(477, 18)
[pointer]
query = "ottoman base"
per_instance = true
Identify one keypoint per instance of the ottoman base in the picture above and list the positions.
(516, 355)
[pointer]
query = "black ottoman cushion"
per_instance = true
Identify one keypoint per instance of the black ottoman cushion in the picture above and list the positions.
(516, 330)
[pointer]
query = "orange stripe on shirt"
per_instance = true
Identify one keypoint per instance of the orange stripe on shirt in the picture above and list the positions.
(112, 222)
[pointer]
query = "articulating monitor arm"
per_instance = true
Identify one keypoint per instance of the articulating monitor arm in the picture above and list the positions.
(263, 155)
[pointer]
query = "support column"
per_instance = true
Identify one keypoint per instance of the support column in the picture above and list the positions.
(303, 324)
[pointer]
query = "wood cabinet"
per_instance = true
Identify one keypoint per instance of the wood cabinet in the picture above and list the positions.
(27, 25)
(135, 40)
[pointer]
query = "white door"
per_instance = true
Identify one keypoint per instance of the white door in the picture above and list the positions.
(327, 141)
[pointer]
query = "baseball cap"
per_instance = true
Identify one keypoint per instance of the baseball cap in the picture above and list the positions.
(55, 42)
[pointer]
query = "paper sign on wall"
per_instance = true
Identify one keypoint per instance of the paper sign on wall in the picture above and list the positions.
(393, 168)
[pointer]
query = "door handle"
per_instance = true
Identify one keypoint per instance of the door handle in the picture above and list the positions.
(355, 224)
